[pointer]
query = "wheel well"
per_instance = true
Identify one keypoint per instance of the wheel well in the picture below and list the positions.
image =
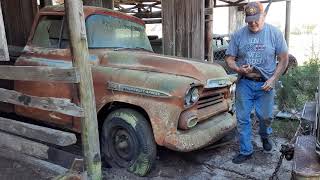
(103, 112)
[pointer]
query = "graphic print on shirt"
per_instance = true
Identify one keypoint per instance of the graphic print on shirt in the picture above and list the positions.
(255, 49)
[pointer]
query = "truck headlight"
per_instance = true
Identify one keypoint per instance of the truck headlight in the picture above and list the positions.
(232, 91)
(232, 95)
(192, 96)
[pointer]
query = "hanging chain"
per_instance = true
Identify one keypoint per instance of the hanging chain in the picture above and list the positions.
(287, 151)
(274, 174)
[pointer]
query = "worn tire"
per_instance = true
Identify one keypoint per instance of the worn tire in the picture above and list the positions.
(127, 141)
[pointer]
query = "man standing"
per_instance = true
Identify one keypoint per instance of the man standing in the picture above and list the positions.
(252, 53)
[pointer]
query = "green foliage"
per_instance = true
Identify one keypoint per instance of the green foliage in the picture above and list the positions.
(284, 128)
(299, 85)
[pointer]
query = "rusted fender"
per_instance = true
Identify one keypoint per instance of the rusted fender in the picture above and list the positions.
(163, 99)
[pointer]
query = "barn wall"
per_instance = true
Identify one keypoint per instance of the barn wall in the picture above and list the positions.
(18, 17)
(183, 28)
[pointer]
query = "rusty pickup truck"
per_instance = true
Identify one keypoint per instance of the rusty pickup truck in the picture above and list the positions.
(143, 99)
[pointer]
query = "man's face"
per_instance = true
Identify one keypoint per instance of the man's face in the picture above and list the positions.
(256, 26)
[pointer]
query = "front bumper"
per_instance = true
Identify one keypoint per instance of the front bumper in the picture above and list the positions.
(202, 135)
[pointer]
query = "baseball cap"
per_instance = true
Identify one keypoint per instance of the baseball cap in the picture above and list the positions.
(253, 11)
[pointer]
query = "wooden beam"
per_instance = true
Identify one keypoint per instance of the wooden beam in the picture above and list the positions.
(4, 54)
(148, 14)
(23, 146)
(152, 21)
(240, 3)
(134, 1)
(36, 149)
(39, 73)
(80, 53)
(43, 165)
(40, 133)
(60, 105)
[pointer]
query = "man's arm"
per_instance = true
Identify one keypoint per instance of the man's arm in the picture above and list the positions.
(231, 63)
(281, 67)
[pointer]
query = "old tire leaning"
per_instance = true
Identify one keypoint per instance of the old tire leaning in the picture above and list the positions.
(127, 141)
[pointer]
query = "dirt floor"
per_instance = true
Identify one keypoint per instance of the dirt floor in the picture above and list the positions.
(213, 164)
(207, 163)
(14, 170)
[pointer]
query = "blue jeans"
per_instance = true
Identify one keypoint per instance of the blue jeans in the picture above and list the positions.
(248, 95)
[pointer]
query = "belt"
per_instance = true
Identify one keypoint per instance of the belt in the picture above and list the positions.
(257, 79)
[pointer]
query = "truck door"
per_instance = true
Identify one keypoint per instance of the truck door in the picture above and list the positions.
(48, 45)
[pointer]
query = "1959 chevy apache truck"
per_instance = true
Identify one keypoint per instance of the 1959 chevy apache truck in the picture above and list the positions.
(143, 99)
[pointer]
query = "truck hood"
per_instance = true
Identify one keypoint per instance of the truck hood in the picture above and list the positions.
(145, 61)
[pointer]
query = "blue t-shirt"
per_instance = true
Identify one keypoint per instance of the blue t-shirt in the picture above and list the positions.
(258, 49)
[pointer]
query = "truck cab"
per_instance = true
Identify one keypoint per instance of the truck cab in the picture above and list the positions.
(142, 99)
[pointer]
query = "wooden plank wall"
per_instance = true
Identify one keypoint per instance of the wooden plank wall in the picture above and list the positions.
(183, 28)
(18, 18)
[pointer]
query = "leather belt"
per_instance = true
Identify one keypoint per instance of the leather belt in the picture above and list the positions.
(257, 79)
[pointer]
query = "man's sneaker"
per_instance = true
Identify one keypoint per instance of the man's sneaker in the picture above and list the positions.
(266, 144)
(240, 158)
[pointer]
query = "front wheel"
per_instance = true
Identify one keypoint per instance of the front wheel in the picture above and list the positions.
(127, 141)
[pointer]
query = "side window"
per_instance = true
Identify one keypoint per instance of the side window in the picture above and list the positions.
(51, 32)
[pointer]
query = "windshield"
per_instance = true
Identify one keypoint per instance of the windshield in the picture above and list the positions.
(111, 32)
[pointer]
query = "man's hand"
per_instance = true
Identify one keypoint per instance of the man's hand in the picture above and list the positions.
(268, 85)
(283, 62)
(245, 69)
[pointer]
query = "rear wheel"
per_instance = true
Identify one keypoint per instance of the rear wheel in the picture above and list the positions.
(127, 141)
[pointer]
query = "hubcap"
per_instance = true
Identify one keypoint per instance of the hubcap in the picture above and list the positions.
(122, 142)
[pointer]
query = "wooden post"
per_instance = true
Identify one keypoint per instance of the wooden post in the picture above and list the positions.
(183, 28)
(93, 3)
(4, 54)
(89, 124)
(288, 15)
(209, 32)
(236, 18)
(108, 4)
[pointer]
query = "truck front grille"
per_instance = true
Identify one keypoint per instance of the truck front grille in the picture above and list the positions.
(212, 102)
